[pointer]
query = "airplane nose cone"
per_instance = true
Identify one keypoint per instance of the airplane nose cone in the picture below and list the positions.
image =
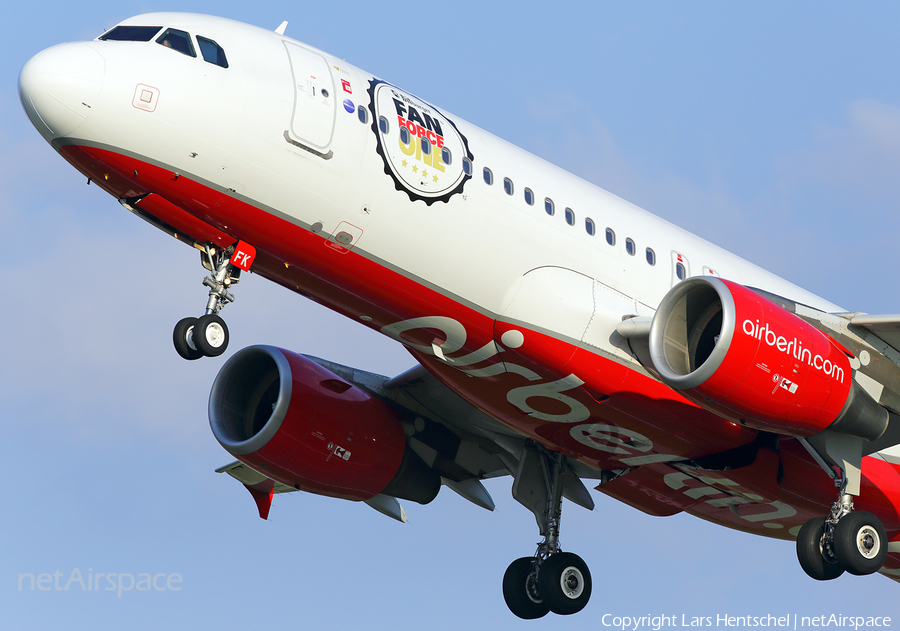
(59, 86)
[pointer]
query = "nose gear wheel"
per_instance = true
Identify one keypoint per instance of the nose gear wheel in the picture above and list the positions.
(183, 338)
(207, 336)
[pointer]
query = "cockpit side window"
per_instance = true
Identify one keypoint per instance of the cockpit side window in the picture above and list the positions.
(212, 52)
(177, 40)
(131, 33)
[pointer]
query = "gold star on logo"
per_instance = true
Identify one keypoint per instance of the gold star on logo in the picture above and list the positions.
(424, 173)
(434, 177)
(415, 169)
(403, 163)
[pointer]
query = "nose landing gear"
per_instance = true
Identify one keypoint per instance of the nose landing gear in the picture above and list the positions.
(207, 336)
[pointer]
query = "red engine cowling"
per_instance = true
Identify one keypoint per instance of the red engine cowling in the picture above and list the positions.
(733, 352)
(304, 426)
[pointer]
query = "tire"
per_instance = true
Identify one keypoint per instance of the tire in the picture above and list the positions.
(182, 337)
(810, 554)
(516, 591)
(860, 543)
(564, 583)
(211, 335)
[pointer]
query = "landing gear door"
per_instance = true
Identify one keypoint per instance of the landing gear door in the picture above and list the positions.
(312, 122)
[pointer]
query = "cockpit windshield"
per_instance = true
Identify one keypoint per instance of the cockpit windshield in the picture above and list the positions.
(171, 38)
(131, 33)
(212, 52)
(177, 40)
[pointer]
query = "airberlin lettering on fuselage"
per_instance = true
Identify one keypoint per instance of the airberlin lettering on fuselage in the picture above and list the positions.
(629, 447)
(422, 149)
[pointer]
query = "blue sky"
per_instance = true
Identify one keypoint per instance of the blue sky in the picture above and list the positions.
(770, 129)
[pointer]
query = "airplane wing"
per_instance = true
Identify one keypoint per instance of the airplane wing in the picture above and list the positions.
(885, 327)
(464, 445)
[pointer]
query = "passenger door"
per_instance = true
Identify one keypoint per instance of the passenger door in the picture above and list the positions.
(312, 123)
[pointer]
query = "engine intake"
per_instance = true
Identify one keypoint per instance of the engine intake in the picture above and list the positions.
(300, 424)
(733, 352)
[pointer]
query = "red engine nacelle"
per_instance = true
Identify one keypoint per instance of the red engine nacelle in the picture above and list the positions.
(742, 356)
(302, 425)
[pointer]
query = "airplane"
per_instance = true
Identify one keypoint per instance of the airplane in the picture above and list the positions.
(561, 334)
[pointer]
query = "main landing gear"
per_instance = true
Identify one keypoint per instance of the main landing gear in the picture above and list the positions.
(845, 540)
(207, 336)
(551, 580)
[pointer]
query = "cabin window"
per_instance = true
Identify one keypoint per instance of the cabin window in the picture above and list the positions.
(529, 196)
(177, 40)
(404, 135)
(131, 33)
(362, 114)
(549, 206)
(488, 176)
(589, 226)
(383, 125)
(651, 256)
(212, 52)
(467, 166)
(610, 236)
(508, 186)
(570, 216)
(680, 271)
(630, 247)
(446, 156)
(426, 146)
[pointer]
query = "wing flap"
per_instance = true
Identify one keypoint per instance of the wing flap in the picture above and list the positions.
(887, 327)
(251, 477)
(647, 490)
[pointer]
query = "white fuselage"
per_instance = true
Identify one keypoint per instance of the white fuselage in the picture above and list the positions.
(229, 127)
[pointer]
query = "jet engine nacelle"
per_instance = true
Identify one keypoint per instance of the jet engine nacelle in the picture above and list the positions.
(735, 353)
(302, 425)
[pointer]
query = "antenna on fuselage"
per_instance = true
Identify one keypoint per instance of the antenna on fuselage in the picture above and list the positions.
(280, 29)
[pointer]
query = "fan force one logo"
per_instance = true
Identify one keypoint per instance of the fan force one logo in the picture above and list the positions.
(422, 149)
(419, 126)
(793, 347)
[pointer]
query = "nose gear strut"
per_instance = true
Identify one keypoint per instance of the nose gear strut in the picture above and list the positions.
(208, 334)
